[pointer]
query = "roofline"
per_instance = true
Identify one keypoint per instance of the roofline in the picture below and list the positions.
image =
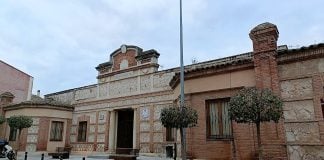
(69, 90)
(16, 68)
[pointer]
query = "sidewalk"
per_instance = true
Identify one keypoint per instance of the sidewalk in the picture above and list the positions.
(37, 156)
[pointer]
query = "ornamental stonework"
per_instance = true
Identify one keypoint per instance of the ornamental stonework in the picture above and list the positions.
(157, 111)
(158, 137)
(103, 90)
(157, 126)
(33, 129)
(101, 138)
(74, 129)
(31, 147)
(146, 83)
(73, 138)
(299, 110)
(126, 102)
(299, 88)
(144, 126)
(64, 97)
(302, 132)
(31, 138)
(92, 117)
(124, 75)
(101, 128)
(92, 128)
(123, 87)
(86, 93)
(161, 80)
(144, 148)
(302, 68)
(158, 148)
(82, 147)
(100, 147)
(35, 121)
(91, 138)
(306, 152)
(145, 137)
(102, 117)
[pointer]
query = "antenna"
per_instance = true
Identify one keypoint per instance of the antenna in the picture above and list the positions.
(194, 60)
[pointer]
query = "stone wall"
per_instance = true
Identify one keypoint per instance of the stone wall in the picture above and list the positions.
(301, 85)
(134, 83)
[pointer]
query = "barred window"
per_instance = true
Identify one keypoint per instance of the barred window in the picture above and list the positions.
(218, 120)
(56, 131)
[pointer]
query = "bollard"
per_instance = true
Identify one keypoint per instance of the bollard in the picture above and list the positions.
(175, 151)
(42, 156)
(26, 155)
(83, 158)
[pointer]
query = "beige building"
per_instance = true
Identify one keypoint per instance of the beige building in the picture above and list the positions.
(123, 109)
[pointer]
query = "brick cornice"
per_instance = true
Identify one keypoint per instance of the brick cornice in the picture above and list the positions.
(127, 70)
(213, 70)
(301, 54)
(123, 98)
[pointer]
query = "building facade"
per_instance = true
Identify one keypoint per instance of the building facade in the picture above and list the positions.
(15, 86)
(123, 109)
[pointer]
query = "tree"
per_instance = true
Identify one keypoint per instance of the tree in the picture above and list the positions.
(252, 105)
(176, 117)
(19, 122)
(2, 119)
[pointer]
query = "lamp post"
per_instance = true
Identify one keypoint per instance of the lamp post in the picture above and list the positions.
(182, 98)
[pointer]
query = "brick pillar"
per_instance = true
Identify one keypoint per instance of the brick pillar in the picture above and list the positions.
(264, 38)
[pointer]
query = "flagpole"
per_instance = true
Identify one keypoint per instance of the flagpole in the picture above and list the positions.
(182, 98)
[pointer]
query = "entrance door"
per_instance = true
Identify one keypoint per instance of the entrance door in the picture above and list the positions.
(125, 129)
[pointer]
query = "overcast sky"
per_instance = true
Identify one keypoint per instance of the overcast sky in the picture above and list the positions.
(60, 42)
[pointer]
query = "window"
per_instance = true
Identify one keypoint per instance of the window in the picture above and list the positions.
(82, 131)
(13, 134)
(56, 131)
(170, 134)
(218, 121)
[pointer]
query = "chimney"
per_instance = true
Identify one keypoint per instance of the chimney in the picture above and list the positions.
(38, 93)
(264, 38)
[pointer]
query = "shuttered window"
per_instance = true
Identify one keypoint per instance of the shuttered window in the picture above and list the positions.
(218, 122)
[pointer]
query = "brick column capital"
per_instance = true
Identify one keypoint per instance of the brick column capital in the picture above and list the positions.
(264, 37)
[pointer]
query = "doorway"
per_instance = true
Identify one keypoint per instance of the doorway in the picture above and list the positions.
(125, 128)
